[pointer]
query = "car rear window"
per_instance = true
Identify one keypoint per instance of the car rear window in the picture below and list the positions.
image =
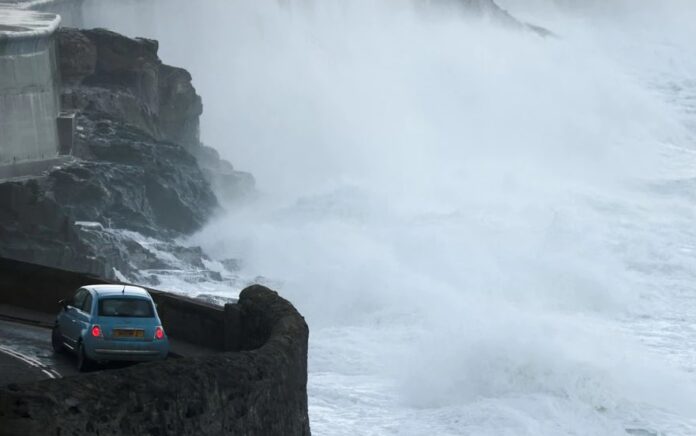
(131, 307)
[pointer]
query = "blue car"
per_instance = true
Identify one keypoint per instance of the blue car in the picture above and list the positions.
(110, 322)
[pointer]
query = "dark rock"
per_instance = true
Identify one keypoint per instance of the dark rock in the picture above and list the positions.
(78, 57)
(179, 105)
(126, 81)
(134, 168)
(33, 227)
(231, 265)
(137, 168)
(155, 189)
(229, 184)
(129, 82)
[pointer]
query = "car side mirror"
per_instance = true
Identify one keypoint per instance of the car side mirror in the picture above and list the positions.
(63, 303)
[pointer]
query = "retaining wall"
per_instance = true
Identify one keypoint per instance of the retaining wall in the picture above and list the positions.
(28, 85)
(260, 388)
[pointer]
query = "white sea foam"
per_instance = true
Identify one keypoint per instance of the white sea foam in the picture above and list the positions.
(489, 232)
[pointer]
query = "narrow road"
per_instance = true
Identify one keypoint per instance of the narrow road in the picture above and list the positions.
(26, 355)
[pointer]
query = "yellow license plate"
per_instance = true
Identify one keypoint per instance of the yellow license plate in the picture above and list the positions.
(129, 333)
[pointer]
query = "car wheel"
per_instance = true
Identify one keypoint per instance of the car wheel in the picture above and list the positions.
(57, 340)
(83, 362)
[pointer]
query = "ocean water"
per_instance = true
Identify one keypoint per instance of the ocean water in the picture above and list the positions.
(489, 232)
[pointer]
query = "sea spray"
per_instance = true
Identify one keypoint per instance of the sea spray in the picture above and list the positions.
(488, 230)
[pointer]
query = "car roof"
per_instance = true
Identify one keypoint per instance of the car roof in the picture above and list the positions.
(120, 290)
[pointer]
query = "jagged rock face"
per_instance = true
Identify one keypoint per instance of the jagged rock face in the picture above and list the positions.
(126, 180)
(135, 165)
(79, 56)
(33, 227)
(123, 79)
(160, 188)
(229, 184)
(37, 221)
(110, 73)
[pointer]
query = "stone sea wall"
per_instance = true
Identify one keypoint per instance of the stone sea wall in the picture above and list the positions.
(257, 387)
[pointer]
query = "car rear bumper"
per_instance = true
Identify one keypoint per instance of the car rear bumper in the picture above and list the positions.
(130, 355)
(111, 351)
(104, 349)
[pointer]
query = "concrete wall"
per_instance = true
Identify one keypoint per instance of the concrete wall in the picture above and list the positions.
(28, 86)
(260, 389)
(192, 321)
(38, 287)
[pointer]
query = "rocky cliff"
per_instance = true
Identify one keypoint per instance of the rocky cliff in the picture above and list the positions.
(137, 164)
(105, 73)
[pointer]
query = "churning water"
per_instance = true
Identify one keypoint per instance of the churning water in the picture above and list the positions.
(489, 232)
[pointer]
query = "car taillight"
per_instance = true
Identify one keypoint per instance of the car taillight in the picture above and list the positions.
(159, 332)
(96, 331)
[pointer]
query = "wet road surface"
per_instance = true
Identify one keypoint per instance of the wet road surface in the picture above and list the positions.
(26, 355)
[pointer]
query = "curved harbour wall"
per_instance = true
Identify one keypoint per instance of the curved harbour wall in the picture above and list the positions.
(29, 102)
(259, 387)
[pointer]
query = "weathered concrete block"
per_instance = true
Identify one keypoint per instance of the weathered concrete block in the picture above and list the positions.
(66, 132)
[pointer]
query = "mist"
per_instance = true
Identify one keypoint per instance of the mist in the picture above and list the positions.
(486, 229)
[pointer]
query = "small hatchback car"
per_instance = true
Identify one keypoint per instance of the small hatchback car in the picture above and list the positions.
(110, 322)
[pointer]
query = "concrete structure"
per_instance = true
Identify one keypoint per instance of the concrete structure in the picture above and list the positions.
(29, 103)
(66, 132)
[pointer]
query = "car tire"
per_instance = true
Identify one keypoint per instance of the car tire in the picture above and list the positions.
(57, 340)
(83, 362)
